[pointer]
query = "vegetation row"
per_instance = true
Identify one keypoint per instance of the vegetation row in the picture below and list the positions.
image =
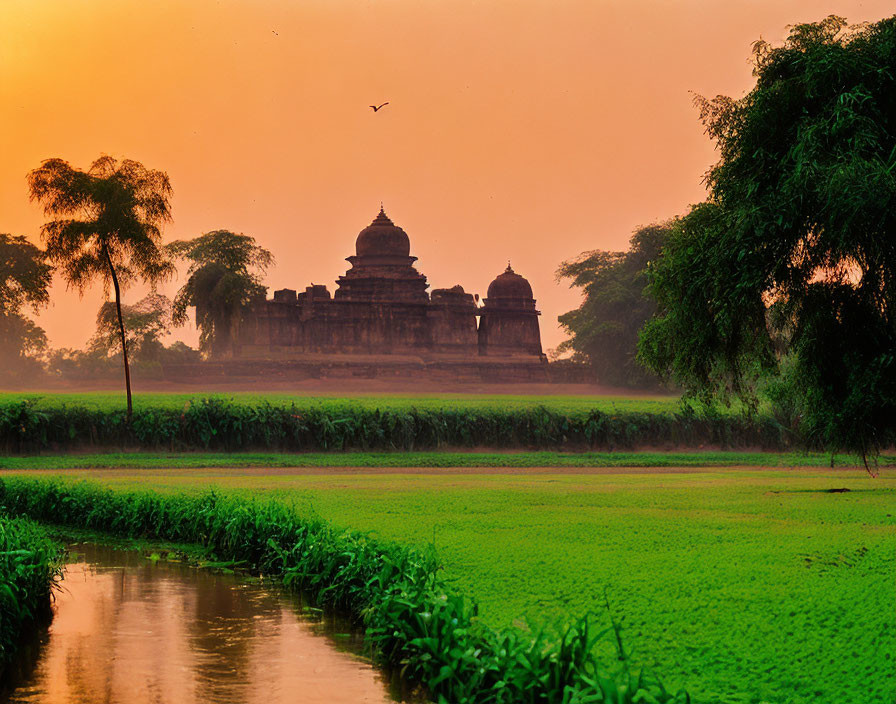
(217, 424)
(29, 567)
(430, 459)
(414, 619)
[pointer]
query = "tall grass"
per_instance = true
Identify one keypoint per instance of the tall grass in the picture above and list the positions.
(413, 618)
(219, 424)
(29, 566)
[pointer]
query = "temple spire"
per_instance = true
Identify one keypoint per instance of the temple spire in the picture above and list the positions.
(382, 218)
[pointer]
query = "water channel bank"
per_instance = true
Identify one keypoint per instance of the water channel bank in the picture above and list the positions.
(128, 629)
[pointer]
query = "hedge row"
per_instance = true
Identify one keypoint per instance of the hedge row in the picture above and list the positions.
(216, 424)
(29, 567)
(413, 618)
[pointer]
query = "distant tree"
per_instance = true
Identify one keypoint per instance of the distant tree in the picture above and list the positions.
(604, 328)
(220, 283)
(25, 280)
(105, 225)
(21, 342)
(67, 363)
(145, 323)
(178, 353)
(794, 255)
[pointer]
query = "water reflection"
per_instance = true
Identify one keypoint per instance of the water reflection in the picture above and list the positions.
(128, 630)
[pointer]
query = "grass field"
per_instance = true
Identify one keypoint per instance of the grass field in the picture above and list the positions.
(200, 460)
(397, 402)
(750, 586)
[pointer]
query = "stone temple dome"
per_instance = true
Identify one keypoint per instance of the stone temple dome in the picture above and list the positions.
(382, 238)
(509, 285)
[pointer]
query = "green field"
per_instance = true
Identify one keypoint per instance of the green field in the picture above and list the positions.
(200, 460)
(749, 586)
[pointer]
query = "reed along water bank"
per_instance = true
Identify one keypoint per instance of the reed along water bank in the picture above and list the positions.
(413, 616)
(132, 630)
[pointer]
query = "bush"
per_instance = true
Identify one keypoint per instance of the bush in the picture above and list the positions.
(29, 567)
(216, 424)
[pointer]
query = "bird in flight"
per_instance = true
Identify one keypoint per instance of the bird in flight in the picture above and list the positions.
(377, 107)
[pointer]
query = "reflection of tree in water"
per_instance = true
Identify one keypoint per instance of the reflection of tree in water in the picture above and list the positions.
(125, 640)
(227, 617)
(131, 631)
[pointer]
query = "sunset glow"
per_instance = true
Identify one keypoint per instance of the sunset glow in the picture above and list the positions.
(528, 131)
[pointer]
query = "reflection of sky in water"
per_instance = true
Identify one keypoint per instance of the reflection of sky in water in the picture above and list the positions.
(129, 631)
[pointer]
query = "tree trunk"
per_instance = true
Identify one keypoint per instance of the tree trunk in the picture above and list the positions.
(124, 343)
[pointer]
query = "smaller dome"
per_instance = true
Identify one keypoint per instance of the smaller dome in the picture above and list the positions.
(509, 285)
(382, 238)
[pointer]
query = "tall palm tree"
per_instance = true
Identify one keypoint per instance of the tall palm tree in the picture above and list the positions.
(105, 224)
(220, 282)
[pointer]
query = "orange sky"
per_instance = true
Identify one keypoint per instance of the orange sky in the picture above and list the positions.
(528, 131)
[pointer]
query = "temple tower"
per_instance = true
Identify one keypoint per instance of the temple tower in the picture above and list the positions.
(382, 269)
(508, 324)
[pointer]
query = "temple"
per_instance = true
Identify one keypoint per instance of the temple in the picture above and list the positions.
(381, 309)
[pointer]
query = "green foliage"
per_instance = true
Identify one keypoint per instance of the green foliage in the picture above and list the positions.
(705, 335)
(24, 275)
(443, 459)
(413, 617)
(97, 364)
(574, 405)
(220, 283)
(713, 574)
(21, 343)
(145, 322)
(105, 221)
(604, 328)
(215, 423)
(29, 568)
(800, 218)
(105, 224)
(25, 279)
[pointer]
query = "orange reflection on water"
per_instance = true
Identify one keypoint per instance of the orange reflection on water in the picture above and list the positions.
(128, 630)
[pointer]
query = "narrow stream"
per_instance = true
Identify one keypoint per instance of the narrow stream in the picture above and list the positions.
(128, 630)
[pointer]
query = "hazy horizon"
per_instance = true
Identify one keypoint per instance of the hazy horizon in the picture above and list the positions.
(521, 131)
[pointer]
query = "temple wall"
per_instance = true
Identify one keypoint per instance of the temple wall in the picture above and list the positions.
(280, 330)
(509, 333)
(381, 307)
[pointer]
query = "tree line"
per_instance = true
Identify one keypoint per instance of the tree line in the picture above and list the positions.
(783, 283)
(104, 226)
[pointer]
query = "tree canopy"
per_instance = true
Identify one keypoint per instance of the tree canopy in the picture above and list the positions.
(223, 277)
(105, 224)
(145, 323)
(25, 278)
(604, 328)
(795, 251)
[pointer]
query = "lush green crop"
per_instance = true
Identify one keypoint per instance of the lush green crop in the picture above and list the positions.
(29, 566)
(217, 424)
(105, 401)
(392, 460)
(747, 586)
(413, 617)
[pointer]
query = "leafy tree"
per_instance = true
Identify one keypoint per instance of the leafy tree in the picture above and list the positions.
(71, 364)
(20, 340)
(105, 225)
(220, 283)
(604, 328)
(25, 279)
(145, 322)
(795, 252)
